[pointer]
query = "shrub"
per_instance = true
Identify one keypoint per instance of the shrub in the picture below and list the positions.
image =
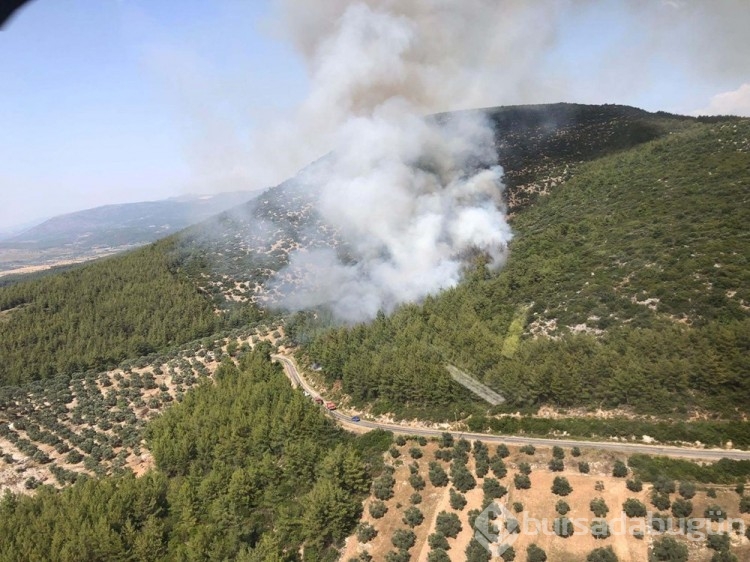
(382, 487)
(724, 556)
(415, 453)
(74, 457)
(413, 517)
(475, 552)
(600, 529)
(561, 486)
(634, 508)
(528, 449)
(602, 555)
(444, 454)
(599, 507)
(524, 468)
(687, 490)
(667, 549)
(620, 470)
(634, 485)
(446, 440)
(462, 446)
(448, 524)
(366, 532)
(682, 508)
(398, 556)
(535, 554)
(661, 522)
(472, 516)
(660, 501)
(403, 539)
(438, 555)
(378, 509)
(583, 467)
(493, 489)
(438, 540)
(497, 465)
(557, 452)
(517, 507)
(562, 507)
(462, 478)
(502, 451)
(417, 482)
(563, 527)
(437, 475)
(457, 500)
(400, 440)
(395, 453)
(482, 467)
(508, 553)
(556, 465)
(664, 485)
(745, 504)
(711, 492)
(715, 513)
(575, 451)
(415, 498)
(716, 541)
(522, 482)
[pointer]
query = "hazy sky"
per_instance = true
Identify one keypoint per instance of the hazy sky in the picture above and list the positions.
(105, 101)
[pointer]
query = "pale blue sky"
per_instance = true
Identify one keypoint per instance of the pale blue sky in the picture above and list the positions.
(105, 101)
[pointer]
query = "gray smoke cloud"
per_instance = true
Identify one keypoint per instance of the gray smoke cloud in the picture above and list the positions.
(396, 186)
(411, 197)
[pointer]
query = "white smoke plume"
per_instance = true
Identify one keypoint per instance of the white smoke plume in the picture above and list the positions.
(410, 196)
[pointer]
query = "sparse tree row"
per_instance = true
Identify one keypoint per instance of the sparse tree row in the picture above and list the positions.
(247, 469)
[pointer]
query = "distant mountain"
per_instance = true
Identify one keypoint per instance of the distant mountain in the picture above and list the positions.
(103, 230)
(125, 224)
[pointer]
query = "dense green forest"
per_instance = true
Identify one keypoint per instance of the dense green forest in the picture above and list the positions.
(248, 469)
(95, 316)
(637, 271)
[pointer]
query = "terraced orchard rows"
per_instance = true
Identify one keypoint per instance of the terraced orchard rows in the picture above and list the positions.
(427, 502)
(53, 431)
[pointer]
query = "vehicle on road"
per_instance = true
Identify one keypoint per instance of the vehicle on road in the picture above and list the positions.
(330, 405)
(355, 418)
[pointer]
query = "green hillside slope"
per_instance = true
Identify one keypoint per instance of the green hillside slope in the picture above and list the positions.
(237, 461)
(636, 277)
(97, 315)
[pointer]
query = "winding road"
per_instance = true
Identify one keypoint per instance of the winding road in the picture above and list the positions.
(629, 448)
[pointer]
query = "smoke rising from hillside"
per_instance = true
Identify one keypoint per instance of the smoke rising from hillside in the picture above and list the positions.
(396, 185)
(410, 196)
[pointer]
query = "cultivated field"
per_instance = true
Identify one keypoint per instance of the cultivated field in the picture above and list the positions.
(538, 511)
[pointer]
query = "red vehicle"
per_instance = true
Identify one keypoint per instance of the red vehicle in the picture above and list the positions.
(330, 405)
(318, 400)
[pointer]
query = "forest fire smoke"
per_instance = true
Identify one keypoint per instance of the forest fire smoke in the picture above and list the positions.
(411, 196)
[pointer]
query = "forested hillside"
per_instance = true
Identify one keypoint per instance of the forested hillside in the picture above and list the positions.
(627, 286)
(620, 218)
(248, 469)
(97, 315)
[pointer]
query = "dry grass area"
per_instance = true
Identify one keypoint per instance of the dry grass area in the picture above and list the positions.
(538, 506)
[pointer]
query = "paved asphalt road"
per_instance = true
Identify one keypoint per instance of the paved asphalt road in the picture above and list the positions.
(628, 448)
